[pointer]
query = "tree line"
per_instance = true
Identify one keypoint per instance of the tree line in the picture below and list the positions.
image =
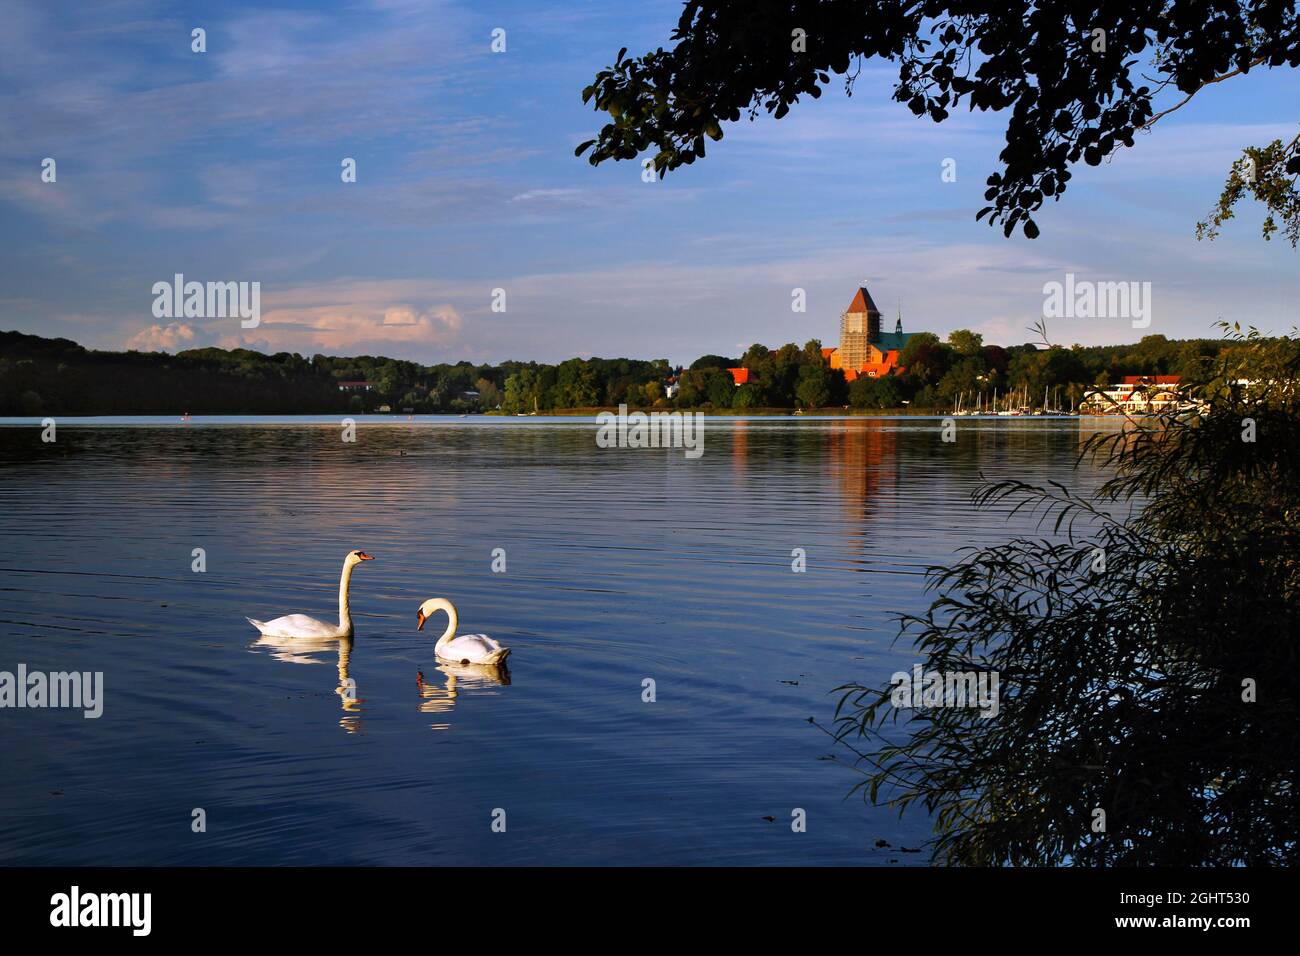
(40, 376)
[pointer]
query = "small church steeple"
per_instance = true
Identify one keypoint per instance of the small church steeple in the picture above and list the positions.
(898, 326)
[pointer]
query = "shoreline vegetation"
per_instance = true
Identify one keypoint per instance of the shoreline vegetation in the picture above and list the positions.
(42, 376)
(712, 412)
(836, 411)
(1146, 651)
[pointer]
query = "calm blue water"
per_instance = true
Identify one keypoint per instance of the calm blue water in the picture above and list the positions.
(621, 565)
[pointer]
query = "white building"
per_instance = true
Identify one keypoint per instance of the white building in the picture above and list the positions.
(1135, 395)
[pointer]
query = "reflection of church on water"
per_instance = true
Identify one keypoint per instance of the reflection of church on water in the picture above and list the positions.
(864, 457)
(862, 460)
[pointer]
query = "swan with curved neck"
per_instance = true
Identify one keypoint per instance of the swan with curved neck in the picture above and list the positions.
(466, 649)
(300, 625)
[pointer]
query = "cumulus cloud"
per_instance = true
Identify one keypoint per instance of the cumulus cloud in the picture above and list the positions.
(172, 337)
(366, 323)
(351, 328)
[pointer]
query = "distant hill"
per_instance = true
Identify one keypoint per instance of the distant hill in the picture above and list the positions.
(40, 376)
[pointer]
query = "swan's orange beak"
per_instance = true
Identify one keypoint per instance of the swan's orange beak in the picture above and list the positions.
(419, 620)
(362, 556)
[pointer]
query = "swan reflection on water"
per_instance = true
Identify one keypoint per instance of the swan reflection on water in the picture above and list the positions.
(440, 698)
(298, 650)
(438, 694)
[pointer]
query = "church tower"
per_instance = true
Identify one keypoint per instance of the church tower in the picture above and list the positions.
(859, 328)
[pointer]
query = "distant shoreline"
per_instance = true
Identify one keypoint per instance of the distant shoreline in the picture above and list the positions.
(836, 410)
(50, 377)
(384, 418)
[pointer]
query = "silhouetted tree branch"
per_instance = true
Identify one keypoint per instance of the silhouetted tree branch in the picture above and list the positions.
(1067, 72)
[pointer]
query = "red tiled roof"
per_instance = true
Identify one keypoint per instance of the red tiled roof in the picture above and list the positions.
(1152, 379)
(862, 302)
(878, 369)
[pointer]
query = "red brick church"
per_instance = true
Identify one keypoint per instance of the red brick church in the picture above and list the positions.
(864, 349)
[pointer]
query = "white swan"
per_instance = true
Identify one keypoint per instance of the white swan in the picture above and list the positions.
(466, 649)
(300, 625)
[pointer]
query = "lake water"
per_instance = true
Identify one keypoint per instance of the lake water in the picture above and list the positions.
(620, 565)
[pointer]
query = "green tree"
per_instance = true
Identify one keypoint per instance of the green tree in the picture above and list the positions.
(1060, 367)
(814, 388)
(721, 390)
(1146, 655)
(521, 389)
(489, 396)
(692, 385)
(925, 358)
(867, 392)
(966, 342)
(1195, 361)
(713, 361)
(746, 396)
(966, 376)
(916, 344)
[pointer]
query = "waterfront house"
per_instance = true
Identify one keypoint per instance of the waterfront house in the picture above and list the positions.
(1134, 394)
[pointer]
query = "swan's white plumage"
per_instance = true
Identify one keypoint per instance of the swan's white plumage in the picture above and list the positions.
(309, 628)
(296, 625)
(466, 649)
(474, 648)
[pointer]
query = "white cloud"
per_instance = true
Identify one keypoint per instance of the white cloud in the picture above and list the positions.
(172, 337)
(359, 317)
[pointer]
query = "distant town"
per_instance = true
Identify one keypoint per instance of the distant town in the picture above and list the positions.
(870, 370)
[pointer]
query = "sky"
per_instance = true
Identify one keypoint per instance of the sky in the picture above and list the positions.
(225, 166)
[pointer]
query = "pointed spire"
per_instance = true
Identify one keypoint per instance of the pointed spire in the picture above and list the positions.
(862, 301)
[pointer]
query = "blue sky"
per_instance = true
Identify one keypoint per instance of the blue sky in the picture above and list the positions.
(225, 166)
